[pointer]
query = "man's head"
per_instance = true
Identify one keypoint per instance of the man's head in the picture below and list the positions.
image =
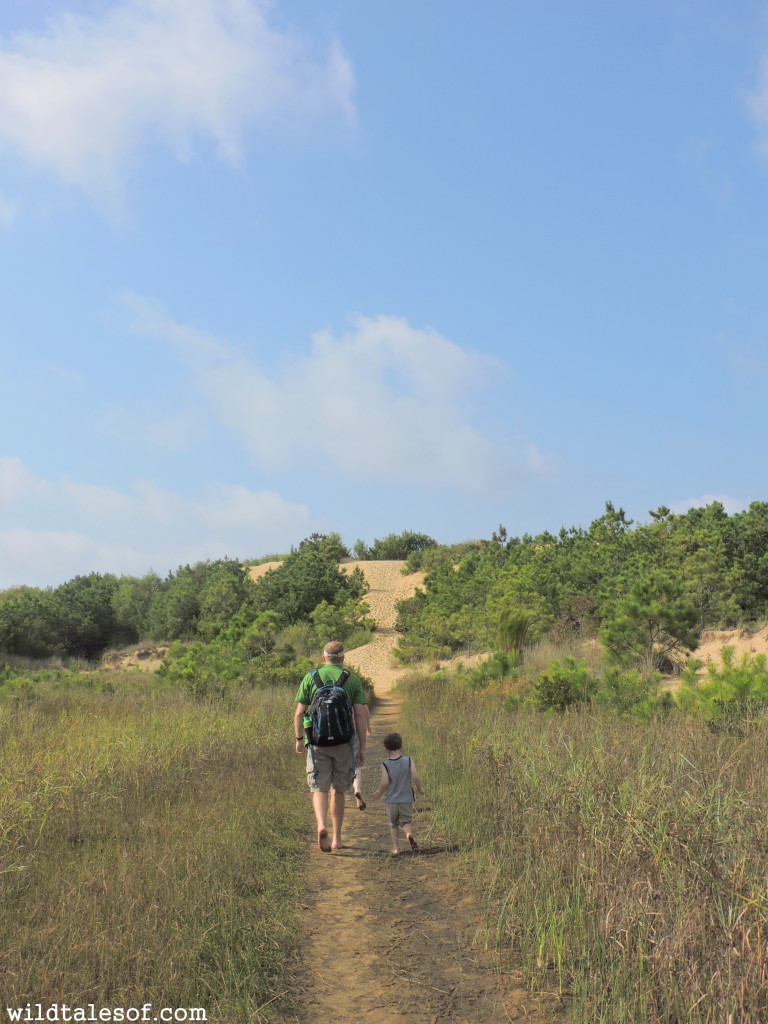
(393, 741)
(333, 653)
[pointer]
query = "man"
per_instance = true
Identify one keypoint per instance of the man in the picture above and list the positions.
(331, 769)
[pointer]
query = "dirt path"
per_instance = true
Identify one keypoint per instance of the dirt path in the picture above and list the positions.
(387, 585)
(396, 939)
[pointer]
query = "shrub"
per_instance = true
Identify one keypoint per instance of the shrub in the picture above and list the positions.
(731, 696)
(564, 683)
(397, 546)
(514, 628)
(630, 692)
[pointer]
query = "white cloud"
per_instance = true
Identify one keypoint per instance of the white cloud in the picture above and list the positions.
(48, 557)
(385, 401)
(82, 98)
(731, 505)
(81, 528)
(17, 484)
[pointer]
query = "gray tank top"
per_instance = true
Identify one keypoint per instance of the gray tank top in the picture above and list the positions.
(400, 786)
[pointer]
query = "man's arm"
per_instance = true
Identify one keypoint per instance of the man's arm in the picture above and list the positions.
(298, 727)
(361, 728)
(416, 779)
(383, 784)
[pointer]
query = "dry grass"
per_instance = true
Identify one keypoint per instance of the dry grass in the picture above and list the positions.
(623, 862)
(149, 852)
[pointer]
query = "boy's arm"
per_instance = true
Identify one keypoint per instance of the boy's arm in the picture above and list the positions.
(383, 784)
(416, 778)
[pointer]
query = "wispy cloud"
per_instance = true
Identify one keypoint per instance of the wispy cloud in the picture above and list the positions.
(384, 401)
(731, 505)
(83, 97)
(81, 527)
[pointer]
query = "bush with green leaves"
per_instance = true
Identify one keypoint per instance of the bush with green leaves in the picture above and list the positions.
(731, 696)
(515, 626)
(498, 667)
(329, 545)
(395, 546)
(631, 692)
(562, 685)
(305, 579)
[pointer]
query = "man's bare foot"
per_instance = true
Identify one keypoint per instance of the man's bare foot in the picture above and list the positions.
(322, 840)
(337, 846)
(360, 801)
(395, 853)
(412, 841)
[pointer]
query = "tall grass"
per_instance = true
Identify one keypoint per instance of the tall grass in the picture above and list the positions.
(622, 861)
(149, 851)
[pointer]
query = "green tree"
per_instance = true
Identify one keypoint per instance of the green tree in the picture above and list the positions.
(330, 546)
(224, 590)
(82, 615)
(131, 604)
(304, 579)
(653, 625)
(25, 622)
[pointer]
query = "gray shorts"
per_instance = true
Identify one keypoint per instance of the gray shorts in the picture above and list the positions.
(399, 814)
(330, 767)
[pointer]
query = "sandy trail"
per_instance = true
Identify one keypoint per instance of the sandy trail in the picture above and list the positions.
(396, 939)
(387, 585)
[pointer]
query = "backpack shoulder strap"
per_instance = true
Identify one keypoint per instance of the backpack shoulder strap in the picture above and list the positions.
(345, 674)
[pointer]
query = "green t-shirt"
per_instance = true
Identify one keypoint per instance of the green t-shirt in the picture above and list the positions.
(330, 674)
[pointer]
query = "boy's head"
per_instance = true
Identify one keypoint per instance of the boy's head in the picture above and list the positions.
(393, 741)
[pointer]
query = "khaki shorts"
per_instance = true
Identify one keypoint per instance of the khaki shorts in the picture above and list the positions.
(399, 814)
(330, 766)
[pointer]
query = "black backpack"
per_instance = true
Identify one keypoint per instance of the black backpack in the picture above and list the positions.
(331, 712)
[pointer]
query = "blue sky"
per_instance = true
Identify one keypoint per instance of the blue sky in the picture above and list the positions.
(272, 268)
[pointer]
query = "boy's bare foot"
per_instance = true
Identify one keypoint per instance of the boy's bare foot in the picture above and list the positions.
(322, 840)
(360, 801)
(412, 841)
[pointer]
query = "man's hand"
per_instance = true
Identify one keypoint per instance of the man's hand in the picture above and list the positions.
(300, 748)
(359, 758)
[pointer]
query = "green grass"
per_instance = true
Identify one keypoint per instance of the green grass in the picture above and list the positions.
(150, 851)
(621, 861)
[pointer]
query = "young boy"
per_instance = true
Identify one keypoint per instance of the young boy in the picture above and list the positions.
(398, 777)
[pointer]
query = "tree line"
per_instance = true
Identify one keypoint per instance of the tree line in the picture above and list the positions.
(645, 589)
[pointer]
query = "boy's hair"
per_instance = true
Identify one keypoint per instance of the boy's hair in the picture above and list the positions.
(393, 741)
